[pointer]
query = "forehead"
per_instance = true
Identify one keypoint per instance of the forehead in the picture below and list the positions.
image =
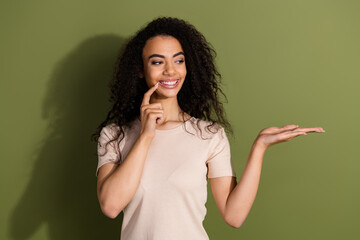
(162, 45)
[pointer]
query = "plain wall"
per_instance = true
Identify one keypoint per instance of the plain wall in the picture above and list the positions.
(283, 62)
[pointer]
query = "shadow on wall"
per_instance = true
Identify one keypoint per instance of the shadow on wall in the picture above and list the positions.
(62, 190)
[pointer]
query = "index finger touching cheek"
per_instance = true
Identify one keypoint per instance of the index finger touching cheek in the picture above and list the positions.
(147, 95)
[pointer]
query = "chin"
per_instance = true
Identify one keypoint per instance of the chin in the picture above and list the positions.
(167, 94)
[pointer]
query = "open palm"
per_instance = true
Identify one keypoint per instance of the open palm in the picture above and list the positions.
(273, 135)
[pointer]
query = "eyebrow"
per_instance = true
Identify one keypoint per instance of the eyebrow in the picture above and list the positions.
(162, 56)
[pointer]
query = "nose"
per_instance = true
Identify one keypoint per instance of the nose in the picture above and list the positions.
(169, 69)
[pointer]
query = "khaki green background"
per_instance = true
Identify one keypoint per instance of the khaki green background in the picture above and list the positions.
(283, 62)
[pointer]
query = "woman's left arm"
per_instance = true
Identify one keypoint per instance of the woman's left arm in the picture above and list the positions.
(234, 200)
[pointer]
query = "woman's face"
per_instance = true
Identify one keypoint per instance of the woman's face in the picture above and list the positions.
(164, 63)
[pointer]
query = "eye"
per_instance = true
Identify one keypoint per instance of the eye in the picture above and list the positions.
(180, 61)
(156, 62)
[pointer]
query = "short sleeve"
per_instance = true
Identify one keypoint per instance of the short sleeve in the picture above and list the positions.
(219, 161)
(106, 134)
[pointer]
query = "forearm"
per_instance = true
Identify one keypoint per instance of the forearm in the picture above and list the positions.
(243, 195)
(117, 190)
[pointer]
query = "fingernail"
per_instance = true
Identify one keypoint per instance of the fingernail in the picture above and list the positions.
(305, 133)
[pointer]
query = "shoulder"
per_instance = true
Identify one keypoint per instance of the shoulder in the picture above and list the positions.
(108, 132)
(112, 130)
(206, 129)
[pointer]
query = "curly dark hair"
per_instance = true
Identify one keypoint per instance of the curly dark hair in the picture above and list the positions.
(199, 95)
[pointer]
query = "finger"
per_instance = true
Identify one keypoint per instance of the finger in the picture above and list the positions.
(311, 129)
(147, 95)
(287, 133)
(274, 130)
(288, 127)
(296, 135)
(160, 120)
(290, 135)
(149, 111)
(151, 106)
(155, 116)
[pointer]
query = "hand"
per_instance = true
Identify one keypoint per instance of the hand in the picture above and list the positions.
(150, 114)
(273, 135)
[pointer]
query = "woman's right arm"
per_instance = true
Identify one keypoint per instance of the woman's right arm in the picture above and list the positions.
(117, 184)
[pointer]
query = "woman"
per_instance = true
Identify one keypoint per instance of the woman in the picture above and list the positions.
(165, 135)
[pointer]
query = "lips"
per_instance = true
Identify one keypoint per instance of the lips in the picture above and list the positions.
(169, 83)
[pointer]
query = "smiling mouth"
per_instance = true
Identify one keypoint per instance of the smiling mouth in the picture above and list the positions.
(169, 83)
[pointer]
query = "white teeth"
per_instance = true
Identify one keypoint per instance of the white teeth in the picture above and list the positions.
(169, 83)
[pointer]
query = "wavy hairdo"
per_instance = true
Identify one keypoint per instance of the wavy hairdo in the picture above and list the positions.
(199, 95)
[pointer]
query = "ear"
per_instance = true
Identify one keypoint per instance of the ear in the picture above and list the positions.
(141, 75)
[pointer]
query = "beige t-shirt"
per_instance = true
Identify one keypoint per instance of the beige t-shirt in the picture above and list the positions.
(170, 200)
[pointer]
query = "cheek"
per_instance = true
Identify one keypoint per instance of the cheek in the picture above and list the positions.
(152, 74)
(181, 70)
(184, 72)
(147, 72)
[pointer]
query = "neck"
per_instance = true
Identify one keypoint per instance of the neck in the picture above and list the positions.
(172, 110)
